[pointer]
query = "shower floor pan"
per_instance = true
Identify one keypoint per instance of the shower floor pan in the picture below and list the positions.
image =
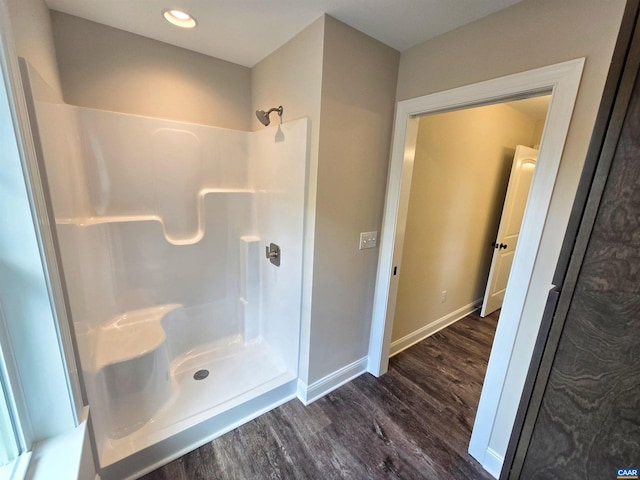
(236, 372)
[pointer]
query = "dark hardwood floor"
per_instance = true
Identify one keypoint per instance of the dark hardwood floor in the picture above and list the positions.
(412, 423)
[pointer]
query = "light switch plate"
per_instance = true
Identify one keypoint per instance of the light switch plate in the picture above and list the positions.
(368, 240)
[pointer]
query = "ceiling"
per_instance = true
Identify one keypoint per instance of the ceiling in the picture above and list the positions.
(535, 107)
(246, 31)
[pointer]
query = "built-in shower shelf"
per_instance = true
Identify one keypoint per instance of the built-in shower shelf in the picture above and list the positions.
(131, 335)
(89, 221)
(102, 219)
(226, 190)
(182, 238)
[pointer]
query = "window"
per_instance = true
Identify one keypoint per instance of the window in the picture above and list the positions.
(8, 444)
(38, 407)
(10, 431)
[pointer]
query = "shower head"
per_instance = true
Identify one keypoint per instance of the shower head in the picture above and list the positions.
(264, 116)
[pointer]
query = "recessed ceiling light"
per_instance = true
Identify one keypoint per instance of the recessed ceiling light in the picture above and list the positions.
(179, 18)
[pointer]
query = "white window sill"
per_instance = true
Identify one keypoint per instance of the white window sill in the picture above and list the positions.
(17, 469)
(67, 456)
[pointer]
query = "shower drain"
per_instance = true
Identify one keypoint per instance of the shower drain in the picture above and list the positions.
(201, 374)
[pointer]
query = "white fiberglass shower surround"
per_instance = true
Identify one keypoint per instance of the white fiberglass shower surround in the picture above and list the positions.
(179, 315)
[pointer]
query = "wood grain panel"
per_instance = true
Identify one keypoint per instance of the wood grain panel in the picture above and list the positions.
(589, 422)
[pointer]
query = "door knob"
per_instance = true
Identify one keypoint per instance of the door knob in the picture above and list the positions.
(503, 245)
(499, 245)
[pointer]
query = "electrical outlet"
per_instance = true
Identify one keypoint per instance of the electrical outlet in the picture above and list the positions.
(443, 296)
(368, 240)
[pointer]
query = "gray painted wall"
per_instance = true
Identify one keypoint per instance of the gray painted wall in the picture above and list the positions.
(110, 69)
(33, 37)
(344, 81)
(358, 82)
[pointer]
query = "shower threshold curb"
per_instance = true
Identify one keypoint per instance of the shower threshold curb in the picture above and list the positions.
(153, 457)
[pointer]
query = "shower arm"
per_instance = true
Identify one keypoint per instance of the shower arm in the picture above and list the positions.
(275, 109)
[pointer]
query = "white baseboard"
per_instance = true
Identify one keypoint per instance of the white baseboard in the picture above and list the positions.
(310, 393)
(428, 330)
(492, 463)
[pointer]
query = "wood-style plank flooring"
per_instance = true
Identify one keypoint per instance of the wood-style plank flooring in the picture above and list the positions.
(412, 423)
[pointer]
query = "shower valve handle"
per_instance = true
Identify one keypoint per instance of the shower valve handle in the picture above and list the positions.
(273, 254)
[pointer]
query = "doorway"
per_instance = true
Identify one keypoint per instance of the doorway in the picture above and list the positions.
(500, 395)
(462, 168)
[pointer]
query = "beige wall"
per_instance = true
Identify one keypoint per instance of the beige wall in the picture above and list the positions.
(292, 77)
(34, 40)
(358, 83)
(537, 133)
(528, 35)
(105, 68)
(460, 176)
(344, 81)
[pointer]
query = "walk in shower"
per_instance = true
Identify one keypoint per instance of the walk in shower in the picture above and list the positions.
(179, 314)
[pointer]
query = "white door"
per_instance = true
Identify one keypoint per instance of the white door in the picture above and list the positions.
(524, 163)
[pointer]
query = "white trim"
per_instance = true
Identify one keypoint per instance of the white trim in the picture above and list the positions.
(16, 469)
(562, 80)
(492, 463)
(433, 327)
(47, 240)
(67, 454)
(14, 392)
(39, 208)
(310, 393)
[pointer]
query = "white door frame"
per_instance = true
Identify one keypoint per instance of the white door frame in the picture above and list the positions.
(562, 81)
